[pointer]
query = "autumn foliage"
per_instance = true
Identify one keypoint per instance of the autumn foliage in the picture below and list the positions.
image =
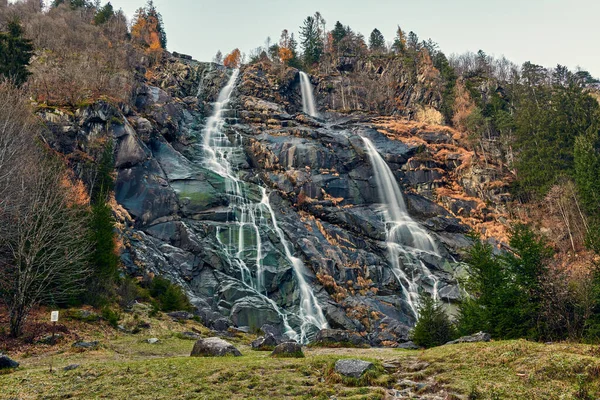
(146, 30)
(233, 59)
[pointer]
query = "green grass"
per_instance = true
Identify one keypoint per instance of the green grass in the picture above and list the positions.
(126, 366)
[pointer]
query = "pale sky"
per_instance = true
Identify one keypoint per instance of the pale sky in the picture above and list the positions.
(546, 32)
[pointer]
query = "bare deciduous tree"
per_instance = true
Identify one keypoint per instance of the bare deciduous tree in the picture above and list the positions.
(44, 245)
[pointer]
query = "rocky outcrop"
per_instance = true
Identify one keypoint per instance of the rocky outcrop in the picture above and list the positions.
(214, 347)
(175, 215)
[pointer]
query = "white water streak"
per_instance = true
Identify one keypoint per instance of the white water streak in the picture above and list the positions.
(308, 97)
(405, 238)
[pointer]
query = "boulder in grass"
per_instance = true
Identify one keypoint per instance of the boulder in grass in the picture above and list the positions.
(476, 338)
(408, 346)
(353, 368)
(267, 342)
(214, 347)
(81, 345)
(179, 316)
(7, 363)
(288, 350)
(339, 338)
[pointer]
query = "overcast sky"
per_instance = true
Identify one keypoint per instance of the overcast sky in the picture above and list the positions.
(546, 32)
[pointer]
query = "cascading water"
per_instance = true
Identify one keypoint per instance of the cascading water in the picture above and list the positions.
(308, 97)
(405, 238)
(310, 310)
(241, 239)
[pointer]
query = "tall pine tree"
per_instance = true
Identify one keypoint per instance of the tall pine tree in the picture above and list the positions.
(15, 53)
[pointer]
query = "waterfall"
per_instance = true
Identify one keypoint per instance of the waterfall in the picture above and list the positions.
(310, 310)
(308, 98)
(405, 238)
(241, 238)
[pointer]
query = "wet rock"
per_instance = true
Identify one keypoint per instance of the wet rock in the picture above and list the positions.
(214, 347)
(339, 338)
(478, 337)
(353, 368)
(288, 350)
(7, 363)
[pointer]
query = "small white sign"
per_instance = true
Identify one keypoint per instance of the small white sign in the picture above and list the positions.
(54, 316)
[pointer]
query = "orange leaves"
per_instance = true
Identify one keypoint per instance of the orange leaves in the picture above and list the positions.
(285, 54)
(233, 59)
(145, 30)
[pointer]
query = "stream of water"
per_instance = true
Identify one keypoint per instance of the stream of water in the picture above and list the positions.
(242, 241)
(406, 240)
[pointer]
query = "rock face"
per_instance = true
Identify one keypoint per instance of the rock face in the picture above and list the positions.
(7, 363)
(478, 337)
(288, 350)
(214, 347)
(352, 368)
(304, 181)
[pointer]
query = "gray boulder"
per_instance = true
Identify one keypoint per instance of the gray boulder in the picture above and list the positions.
(189, 335)
(85, 345)
(7, 363)
(181, 315)
(408, 346)
(71, 367)
(267, 342)
(288, 350)
(478, 337)
(214, 347)
(153, 341)
(339, 338)
(353, 368)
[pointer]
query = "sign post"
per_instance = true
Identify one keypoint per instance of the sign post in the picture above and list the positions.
(54, 320)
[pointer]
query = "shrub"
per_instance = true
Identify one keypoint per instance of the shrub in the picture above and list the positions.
(111, 316)
(433, 327)
(170, 296)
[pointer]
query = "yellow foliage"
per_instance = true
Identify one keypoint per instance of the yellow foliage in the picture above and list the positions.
(233, 59)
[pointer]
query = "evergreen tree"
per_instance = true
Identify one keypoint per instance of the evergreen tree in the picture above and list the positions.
(15, 53)
(104, 259)
(399, 45)
(433, 327)
(104, 14)
(151, 12)
(505, 290)
(312, 41)
(338, 33)
(376, 41)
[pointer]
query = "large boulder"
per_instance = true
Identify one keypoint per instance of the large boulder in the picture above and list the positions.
(478, 337)
(7, 363)
(339, 338)
(288, 350)
(353, 368)
(214, 347)
(267, 342)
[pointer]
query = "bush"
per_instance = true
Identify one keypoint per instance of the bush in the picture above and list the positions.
(433, 327)
(111, 316)
(170, 296)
